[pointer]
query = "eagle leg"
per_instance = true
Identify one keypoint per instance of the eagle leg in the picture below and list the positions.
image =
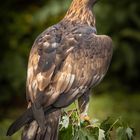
(83, 103)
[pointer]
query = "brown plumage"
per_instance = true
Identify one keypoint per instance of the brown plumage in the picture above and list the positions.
(66, 60)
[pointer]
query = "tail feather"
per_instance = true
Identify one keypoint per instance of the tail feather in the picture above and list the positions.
(33, 132)
(26, 118)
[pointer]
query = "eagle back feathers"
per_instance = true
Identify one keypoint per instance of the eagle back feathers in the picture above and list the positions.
(67, 60)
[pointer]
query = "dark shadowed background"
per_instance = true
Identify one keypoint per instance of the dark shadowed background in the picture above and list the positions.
(21, 21)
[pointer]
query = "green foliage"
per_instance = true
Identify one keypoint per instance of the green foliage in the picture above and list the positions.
(125, 133)
(100, 107)
(71, 128)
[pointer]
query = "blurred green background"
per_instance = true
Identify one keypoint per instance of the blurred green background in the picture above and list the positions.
(21, 21)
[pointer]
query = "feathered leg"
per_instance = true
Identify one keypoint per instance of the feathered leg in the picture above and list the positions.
(83, 103)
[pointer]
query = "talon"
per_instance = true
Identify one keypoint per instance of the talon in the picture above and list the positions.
(87, 118)
(84, 117)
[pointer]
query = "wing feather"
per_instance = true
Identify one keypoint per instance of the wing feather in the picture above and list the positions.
(89, 68)
(66, 69)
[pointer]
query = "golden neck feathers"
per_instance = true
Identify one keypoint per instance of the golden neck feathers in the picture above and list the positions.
(81, 12)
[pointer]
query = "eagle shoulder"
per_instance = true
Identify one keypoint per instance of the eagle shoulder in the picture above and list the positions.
(44, 58)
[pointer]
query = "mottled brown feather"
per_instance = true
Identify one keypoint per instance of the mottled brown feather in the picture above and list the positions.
(81, 62)
(65, 61)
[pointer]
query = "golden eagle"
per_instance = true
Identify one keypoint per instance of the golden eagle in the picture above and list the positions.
(65, 62)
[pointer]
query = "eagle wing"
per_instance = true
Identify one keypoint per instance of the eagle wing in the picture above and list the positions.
(43, 60)
(62, 68)
(85, 66)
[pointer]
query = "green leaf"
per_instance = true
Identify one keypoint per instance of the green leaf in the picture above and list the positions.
(66, 133)
(129, 133)
(82, 135)
(65, 121)
(121, 133)
(95, 132)
(109, 129)
(75, 133)
(106, 124)
(101, 134)
(88, 135)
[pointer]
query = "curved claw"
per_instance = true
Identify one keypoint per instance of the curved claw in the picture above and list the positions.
(84, 117)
